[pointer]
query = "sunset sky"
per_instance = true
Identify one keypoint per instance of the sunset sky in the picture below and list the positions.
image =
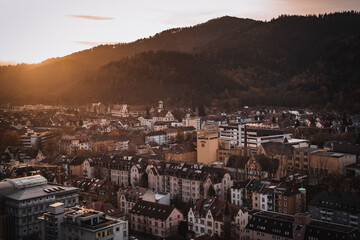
(34, 30)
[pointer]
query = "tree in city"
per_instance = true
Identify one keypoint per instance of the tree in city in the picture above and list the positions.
(202, 111)
(50, 146)
(183, 228)
(179, 136)
(10, 139)
(211, 191)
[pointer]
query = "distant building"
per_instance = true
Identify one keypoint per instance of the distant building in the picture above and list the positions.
(81, 223)
(207, 144)
(257, 136)
(119, 110)
(192, 122)
(36, 140)
(164, 116)
(157, 137)
(26, 198)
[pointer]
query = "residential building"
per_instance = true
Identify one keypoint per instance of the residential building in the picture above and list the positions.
(164, 116)
(187, 182)
(271, 225)
(160, 126)
(208, 216)
(192, 122)
(127, 197)
(119, 110)
(137, 111)
(156, 219)
(336, 208)
(82, 224)
(181, 152)
(269, 196)
(157, 137)
(29, 197)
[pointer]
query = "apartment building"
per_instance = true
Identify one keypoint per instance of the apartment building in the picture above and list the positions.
(271, 225)
(127, 197)
(192, 122)
(157, 137)
(156, 219)
(208, 216)
(269, 196)
(336, 208)
(187, 182)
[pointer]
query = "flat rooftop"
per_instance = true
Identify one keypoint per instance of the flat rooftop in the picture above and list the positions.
(329, 154)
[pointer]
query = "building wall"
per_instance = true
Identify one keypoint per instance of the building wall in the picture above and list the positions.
(207, 145)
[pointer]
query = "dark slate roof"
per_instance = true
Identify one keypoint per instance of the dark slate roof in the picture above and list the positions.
(153, 210)
(270, 165)
(218, 208)
(265, 132)
(255, 185)
(324, 230)
(77, 161)
(237, 161)
(337, 201)
(277, 148)
(133, 194)
(272, 223)
(343, 147)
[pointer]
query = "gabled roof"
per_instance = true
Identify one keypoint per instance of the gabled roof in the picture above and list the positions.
(272, 223)
(277, 148)
(153, 210)
(133, 194)
(218, 207)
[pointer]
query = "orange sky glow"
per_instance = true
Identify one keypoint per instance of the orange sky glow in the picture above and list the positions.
(33, 31)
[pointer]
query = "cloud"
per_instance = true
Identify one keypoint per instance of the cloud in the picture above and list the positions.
(91, 17)
(93, 44)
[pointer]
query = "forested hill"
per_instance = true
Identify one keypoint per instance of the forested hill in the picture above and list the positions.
(226, 62)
